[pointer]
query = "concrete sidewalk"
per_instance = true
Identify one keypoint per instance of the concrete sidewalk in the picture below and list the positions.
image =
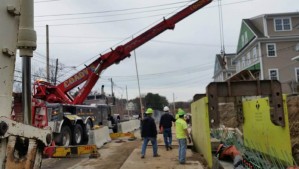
(167, 159)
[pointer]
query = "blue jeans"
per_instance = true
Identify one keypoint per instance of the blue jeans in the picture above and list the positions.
(154, 144)
(167, 136)
(182, 150)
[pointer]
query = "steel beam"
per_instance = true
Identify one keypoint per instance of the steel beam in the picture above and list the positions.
(237, 89)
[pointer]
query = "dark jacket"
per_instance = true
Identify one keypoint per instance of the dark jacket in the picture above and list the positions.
(110, 118)
(166, 121)
(148, 127)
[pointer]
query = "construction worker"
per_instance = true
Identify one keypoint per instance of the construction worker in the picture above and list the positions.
(182, 135)
(113, 124)
(177, 115)
(165, 127)
(149, 133)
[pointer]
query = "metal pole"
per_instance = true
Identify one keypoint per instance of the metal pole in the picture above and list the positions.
(112, 88)
(127, 100)
(141, 106)
(26, 44)
(56, 70)
(48, 57)
(127, 93)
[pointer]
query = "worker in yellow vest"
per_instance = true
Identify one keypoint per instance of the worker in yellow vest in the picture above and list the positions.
(182, 135)
(177, 114)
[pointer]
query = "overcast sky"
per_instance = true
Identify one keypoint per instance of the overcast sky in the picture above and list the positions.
(178, 62)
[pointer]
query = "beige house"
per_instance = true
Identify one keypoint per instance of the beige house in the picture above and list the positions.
(267, 49)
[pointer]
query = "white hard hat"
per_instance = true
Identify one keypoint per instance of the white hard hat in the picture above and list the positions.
(165, 108)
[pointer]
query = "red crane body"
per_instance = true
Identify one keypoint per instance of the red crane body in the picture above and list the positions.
(90, 74)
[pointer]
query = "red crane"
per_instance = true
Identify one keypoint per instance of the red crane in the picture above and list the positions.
(91, 73)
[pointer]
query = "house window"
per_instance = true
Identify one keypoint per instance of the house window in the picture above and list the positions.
(238, 67)
(297, 74)
(271, 50)
(243, 62)
(248, 58)
(282, 24)
(273, 74)
(254, 53)
(243, 41)
(245, 37)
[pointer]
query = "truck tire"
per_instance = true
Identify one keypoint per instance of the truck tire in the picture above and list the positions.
(77, 134)
(65, 135)
(87, 132)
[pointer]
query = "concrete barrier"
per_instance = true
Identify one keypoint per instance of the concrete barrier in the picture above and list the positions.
(128, 126)
(136, 124)
(125, 126)
(99, 136)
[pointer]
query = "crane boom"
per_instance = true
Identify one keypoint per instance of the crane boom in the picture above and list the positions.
(90, 74)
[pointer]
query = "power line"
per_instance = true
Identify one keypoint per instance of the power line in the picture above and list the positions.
(46, 1)
(142, 29)
(117, 20)
(111, 11)
(101, 16)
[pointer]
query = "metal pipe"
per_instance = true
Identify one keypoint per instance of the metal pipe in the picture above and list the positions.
(26, 86)
(26, 44)
(48, 55)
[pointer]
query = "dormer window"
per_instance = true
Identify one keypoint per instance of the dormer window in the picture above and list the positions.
(282, 24)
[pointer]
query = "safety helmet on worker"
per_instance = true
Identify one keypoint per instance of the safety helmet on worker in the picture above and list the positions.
(149, 111)
(166, 108)
(181, 112)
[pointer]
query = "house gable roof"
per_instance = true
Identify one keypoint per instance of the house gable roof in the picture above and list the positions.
(246, 34)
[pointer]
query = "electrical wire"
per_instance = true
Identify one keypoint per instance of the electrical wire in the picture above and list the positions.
(143, 29)
(111, 11)
(46, 1)
(117, 20)
(101, 16)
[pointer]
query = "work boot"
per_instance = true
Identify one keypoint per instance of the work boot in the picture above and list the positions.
(170, 147)
(167, 148)
(142, 156)
(156, 155)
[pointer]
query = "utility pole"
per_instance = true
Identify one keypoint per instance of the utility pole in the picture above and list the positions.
(141, 106)
(127, 99)
(112, 94)
(127, 93)
(47, 50)
(56, 70)
(111, 87)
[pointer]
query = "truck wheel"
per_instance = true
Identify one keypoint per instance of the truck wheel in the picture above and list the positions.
(77, 134)
(87, 132)
(65, 136)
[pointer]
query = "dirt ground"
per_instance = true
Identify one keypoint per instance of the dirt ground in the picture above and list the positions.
(112, 156)
(228, 118)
